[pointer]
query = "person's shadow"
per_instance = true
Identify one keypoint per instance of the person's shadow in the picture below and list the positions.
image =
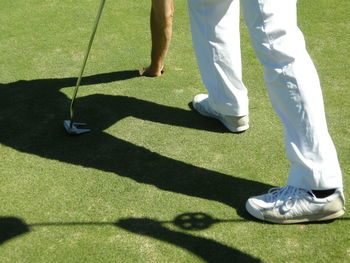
(31, 115)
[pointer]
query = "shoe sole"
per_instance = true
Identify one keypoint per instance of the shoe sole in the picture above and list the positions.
(223, 121)
(230, 128)
(310, 218)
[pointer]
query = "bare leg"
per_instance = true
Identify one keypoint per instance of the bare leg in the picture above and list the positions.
(161, 31)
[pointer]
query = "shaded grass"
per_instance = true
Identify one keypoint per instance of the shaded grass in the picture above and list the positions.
(112, 195)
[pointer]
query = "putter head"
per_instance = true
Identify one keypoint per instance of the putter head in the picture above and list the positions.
(73, 127)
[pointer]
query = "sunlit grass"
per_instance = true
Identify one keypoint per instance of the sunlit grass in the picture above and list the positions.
(119, 193)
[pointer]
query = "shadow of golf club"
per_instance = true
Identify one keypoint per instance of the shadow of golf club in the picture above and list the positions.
(31, 121)
(12, 227)
(207, 249)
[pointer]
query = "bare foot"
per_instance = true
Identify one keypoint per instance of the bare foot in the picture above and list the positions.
(147, 72)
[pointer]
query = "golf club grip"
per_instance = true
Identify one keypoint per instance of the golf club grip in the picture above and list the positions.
(99, 13)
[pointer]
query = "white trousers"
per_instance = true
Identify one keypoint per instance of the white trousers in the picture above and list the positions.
(290, 76)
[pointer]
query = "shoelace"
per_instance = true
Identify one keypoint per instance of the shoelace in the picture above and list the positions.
(289, 195)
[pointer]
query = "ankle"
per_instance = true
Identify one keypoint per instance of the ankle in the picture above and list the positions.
(323, 193)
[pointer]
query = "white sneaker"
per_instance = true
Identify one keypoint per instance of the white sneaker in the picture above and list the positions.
(287, 205)
(233, 123)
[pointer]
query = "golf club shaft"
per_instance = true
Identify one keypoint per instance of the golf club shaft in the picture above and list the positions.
(99, 13)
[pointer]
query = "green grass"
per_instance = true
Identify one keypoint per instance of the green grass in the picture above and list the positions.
(113, 195)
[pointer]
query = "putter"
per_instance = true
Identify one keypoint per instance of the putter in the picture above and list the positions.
(71, 126)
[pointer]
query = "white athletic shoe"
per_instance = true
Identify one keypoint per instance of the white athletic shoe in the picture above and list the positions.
(287, 205)
(233, 123)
